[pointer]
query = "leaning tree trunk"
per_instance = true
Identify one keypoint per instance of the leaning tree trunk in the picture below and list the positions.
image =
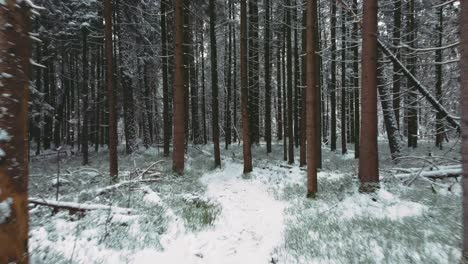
(368, 161)
(244, 89)
(464, 107)
(15, 54)
(389, 116)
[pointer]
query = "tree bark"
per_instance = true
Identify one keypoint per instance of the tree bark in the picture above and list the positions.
(464, 107)
(267, 78)
(344, 148)
(333, 75)
(15, 54)
(85, 98)
(289, 84)
(368, 161)
(179, 91)
(311, 98)
(244, 89)
(214, 83)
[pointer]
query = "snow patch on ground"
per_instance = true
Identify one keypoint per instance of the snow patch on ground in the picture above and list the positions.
(249, 228)
(385, 205)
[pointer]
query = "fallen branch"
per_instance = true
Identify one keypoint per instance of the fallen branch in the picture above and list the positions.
(120, 184)
(78, 207)
(151, 166)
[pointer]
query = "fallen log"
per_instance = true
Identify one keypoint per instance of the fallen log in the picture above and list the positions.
(78, 207)
(435, 174)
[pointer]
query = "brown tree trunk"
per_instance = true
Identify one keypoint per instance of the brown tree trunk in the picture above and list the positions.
(311, 99)
(356, 83)
(333, 76)
(368, 162)
(15, 54)
(267, 78)
(110, 82)
(343, 110)
(179, 90)
(289, 85)
(85, 98)
(214, 83)
(244, 89)
(464, 108)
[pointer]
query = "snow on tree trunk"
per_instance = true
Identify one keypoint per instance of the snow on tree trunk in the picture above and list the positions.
(15, 54)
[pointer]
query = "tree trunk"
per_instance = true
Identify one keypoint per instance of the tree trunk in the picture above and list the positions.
(179, 90)
(344, 149)
(267, 78)
(356, 83)
(396, 69)
(368, 161)
(412, 95)
(15, 55)
(205, 136)
(214, 83)
(311, 98)
(303, 101)
(253, 71)
(244, 89)
(388, 115)
(333, 75)
(464, 107)
(85, 98)
(289, 85)
(440, 135)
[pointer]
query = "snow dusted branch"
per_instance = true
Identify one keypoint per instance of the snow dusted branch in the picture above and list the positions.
(78, 207)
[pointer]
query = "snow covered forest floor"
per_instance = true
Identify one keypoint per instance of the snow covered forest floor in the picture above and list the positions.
(220, 216)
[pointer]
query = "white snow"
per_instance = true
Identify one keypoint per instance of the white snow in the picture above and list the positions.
(5, 209)
(248, 229)
(4, 136)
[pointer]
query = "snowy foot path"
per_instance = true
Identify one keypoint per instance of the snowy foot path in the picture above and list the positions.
(247, 230)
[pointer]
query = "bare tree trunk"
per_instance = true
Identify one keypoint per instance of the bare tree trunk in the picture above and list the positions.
(438, 72)
(205, 136)
(303, 101)
(15, 54)
(388, 114)
(85, 98)
(333, 75)
(267, 78)
(244, 89)
(368, 161)
(179, 90)
(396, 69)
(356, 83)
(311, 98)
(412, 95)
(464, 107)
(214, 83)
(344, 149)
(110, 82)
(289, 85)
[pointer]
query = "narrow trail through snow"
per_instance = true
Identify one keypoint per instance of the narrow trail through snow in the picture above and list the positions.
(249, 227)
